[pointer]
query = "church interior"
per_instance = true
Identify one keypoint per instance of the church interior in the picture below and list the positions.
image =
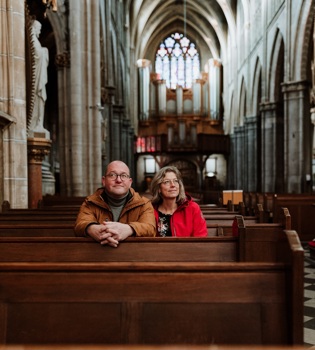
(224, 90)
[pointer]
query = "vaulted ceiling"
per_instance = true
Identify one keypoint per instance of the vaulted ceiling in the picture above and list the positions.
(210, 24)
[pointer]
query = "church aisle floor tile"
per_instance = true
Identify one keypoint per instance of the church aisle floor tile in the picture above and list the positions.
(309, 300)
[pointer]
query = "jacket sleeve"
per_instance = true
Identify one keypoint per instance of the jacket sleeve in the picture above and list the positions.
(85, 217)
(145, 224)
(200, 224)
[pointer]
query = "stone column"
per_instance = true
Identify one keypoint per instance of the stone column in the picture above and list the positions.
(231, 176)
(297, 136)
(268, 150)
(239, 169)
(13, 149)
(251, 153)
(62, 62)
(85, 97)
(37, 149)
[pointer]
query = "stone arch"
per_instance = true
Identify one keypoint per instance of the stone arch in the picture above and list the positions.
(59, 23)
(114, 59)
(276, 74)
(231, 116)
(256, 91)
(276, 71)
(242, 104)
(302, 41)
(256, 110)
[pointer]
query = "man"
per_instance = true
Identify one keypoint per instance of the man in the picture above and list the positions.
(115, 211)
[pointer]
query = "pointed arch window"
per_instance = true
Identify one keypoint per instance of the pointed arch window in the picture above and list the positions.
(177, 61)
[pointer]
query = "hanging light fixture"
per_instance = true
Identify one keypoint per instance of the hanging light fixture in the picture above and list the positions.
(184, 18)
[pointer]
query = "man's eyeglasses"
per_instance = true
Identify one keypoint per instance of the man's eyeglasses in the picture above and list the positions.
(169, 182)
(114, 176)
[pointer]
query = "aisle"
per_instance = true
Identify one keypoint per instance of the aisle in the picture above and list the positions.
(309, 300)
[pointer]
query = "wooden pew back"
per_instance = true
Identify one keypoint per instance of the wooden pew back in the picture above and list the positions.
(57, 200)
(261, 242)
(150, 249)
(302, 210)
(37, 229)
(160, 302)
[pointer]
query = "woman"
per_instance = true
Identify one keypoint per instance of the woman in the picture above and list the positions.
(175, 212)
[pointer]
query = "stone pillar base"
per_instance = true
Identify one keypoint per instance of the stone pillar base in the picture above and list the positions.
(37, 149)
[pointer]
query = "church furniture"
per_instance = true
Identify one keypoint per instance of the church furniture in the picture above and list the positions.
(177, 299)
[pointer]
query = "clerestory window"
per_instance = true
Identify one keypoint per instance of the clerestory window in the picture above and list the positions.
(177, 61)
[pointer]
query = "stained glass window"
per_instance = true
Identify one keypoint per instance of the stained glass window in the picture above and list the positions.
(177, 61)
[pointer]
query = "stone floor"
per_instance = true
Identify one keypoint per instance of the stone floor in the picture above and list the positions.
(309, 300)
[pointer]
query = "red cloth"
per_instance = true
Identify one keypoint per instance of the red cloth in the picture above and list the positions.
(235, 228)
(311, 244)
(187, 220)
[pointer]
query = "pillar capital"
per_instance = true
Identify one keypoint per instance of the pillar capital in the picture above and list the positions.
(63, 60)
(268, 106)
(37, 149)
(294, 86)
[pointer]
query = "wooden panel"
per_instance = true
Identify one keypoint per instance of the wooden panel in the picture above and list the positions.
(79, 249)
(302, 211)
(33, 229)
(192, 303)
(153, 347)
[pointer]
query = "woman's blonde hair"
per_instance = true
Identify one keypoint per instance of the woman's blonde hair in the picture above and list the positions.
(158, 179)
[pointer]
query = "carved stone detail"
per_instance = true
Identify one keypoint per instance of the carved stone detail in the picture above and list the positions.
(63, 60)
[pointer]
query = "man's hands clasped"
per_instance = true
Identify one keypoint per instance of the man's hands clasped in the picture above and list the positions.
(110, 232)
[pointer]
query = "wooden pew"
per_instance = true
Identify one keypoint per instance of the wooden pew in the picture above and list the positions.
(42, 211)
(49, 222)
(156, 347)
(250, 201)
(217, 211)
(241, 210)
(34, 223)
(139, 302)
(31, 217)
(302, 210)
(222, 225)
(58, 200)
(227, 219)
(37, 229)
(226, 229)
(6, 207)
(197, 196)
(268, 205)
(153, 249)
(261, 242)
